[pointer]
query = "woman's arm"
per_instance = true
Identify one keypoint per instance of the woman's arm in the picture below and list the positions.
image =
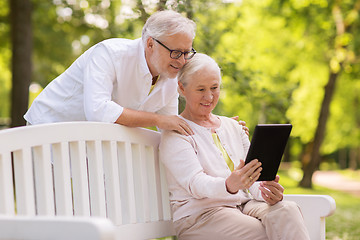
(178, 154)
(244, 176)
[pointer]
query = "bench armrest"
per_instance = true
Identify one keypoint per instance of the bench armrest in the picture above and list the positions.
(314, 209)
(56, 228)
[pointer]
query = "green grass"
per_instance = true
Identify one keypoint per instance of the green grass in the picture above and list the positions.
(344, 224)
(350, 174)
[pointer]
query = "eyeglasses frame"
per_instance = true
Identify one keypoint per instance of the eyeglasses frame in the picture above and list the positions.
(182, 53)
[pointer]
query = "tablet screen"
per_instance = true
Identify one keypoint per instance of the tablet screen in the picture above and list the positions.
(268, 145)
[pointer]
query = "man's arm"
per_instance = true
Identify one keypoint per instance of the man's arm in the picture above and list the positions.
(134, 118)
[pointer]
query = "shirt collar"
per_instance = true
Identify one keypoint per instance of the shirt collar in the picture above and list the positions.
(143, 67)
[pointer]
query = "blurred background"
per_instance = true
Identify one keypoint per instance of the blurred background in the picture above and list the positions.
(283, 61)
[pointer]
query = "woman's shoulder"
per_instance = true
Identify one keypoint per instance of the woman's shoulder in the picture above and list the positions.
(230, 124)
(172, 141)
(172, 136)
(228, 121)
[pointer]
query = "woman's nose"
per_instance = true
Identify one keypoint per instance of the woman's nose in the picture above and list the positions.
(208, 96)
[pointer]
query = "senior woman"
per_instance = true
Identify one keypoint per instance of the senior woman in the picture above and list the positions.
(213, 194)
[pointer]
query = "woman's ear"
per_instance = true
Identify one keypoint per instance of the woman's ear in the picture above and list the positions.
(181, 88)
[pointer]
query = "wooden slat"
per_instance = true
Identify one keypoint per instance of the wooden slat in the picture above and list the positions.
(144, 171)
(96, 179)
(62, 183)
(151, 179)
(6, 185)
(127, 193)
(24, 181)
(80, 179)
(138, 182)
(112, 184)
(43, 180)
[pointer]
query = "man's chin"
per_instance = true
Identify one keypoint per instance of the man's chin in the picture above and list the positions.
(170, 74)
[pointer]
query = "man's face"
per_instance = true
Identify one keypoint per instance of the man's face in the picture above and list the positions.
(160, 60)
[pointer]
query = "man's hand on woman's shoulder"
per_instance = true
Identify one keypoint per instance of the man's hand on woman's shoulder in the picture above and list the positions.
(243, 123)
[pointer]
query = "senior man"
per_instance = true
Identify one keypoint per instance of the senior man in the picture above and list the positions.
(129, 82)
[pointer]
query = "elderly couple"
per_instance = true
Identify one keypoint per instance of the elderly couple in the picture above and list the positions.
(136, 83)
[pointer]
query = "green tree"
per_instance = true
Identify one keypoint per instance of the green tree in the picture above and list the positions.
(5, 56)
(332, 25)
(21, 39)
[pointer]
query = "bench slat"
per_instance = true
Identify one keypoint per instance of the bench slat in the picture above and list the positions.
(80, 178)
(139, 182)
(96, 178)
(128, 192)
(112, 180)
(43, 180)
(24, 179)
(7, 205)
(151, 181)
(62, 183)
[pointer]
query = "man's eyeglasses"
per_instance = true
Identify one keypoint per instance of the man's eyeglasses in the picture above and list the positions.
(176, 54)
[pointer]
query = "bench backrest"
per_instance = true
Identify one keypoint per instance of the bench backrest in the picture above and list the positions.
(85, 169)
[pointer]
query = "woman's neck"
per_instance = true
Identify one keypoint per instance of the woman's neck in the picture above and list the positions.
(207, 121)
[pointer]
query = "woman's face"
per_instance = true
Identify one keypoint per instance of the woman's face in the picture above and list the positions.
(202, 91)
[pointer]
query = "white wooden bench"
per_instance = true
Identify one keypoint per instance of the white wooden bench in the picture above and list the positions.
(105, 182)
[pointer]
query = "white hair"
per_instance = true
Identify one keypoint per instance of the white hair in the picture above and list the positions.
(199, 62)
(167, 23)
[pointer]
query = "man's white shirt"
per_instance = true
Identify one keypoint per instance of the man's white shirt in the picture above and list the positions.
(108, 77)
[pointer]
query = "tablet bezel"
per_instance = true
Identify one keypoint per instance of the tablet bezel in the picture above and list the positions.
(268, 145)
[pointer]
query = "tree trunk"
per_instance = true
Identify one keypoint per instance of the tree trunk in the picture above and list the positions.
(343, 158)
(21, 37)
(189, 9)
(161, 5)
(314, 148)
(143, 14)
(353, 163)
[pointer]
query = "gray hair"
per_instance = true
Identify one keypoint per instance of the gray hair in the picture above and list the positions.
(199, 62)
(167, 23)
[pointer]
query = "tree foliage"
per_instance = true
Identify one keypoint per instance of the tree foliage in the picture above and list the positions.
(276, 56)
(5, 56)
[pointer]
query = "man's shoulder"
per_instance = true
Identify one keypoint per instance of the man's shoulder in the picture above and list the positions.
(121, 45)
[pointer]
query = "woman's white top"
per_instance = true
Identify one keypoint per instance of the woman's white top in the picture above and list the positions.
(196, 170)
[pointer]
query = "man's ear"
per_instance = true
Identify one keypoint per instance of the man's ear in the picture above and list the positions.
(150, 43)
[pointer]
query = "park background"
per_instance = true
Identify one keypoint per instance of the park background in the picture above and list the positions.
(282, 61)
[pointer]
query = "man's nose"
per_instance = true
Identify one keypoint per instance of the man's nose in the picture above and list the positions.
(182, 60)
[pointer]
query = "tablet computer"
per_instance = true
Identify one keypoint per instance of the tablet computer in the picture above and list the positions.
(267, 145)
